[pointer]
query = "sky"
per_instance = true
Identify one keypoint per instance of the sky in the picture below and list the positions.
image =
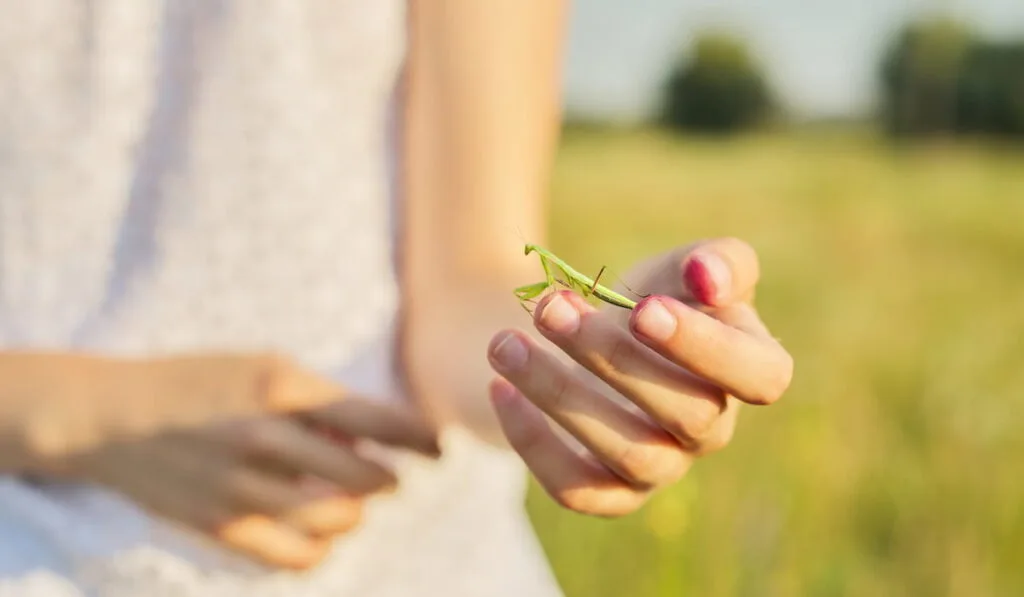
(820, 55)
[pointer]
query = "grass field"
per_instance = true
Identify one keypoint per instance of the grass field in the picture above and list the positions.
(895, 465)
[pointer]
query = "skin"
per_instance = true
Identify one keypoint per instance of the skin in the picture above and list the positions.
(482, 116)
(252, 451)
(258, 453)
(481, 127)
(652, 392)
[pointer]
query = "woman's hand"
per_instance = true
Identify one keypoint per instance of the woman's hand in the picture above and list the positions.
(277, 484)
(672, 375)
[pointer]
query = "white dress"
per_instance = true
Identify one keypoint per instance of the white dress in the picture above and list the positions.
(194, 174)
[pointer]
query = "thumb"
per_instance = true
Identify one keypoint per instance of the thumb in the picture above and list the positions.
(720, 272)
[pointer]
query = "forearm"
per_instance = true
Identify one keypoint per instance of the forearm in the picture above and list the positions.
(446, 354)
(482, 119)
(55, 404)
(482, 115)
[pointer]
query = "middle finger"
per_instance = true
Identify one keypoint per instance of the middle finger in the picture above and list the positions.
(316, 510)
(684, 405)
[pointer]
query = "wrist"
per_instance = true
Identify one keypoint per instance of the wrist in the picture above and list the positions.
(453, 382)
(47, 406)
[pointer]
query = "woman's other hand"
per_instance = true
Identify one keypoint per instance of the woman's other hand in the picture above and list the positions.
(274, 473)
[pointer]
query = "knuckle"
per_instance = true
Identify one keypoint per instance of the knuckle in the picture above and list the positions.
(776, 383)
(581, 500)
(284, 385)
(527, 439)
(693, 425)
(717, 440)
(702, 332)
(590, 501)
(622, 353)
(561, 392)
(649, 465)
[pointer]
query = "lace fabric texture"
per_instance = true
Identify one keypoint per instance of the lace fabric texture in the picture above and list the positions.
(453, 530)
(184, 175)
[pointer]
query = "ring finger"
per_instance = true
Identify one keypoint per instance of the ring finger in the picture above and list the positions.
(178, 494)
(635, 449)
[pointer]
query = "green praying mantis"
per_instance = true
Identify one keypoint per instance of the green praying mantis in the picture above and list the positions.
(571, 279)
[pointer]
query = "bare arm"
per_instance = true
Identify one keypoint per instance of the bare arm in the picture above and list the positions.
(481, 123)
(482, 119)
(53, 404)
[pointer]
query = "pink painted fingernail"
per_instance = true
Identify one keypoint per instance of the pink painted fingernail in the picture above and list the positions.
(510, 352)
(708, 278)
(560, 316)
(653, 320)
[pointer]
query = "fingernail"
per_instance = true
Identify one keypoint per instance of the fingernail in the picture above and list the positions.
(654, 321)
(510, 352)
(708, 278)
(560, 316)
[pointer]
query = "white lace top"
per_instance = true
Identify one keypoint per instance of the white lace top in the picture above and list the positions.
(195, 174)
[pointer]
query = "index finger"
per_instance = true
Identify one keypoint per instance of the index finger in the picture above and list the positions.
(388, 424)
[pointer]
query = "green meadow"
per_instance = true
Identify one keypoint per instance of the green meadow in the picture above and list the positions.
(895, 276)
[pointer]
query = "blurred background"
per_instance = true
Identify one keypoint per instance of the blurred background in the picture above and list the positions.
(873, 152)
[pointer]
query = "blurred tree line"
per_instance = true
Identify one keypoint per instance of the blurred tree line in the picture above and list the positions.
(718, 88)
(937, 78)
(940, 78)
